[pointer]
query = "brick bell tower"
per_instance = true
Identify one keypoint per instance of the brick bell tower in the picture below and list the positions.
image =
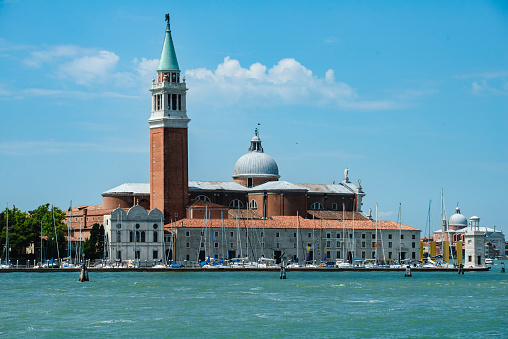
(169, 178)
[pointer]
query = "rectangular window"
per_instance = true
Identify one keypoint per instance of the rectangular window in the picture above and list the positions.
(338, 243)
(261, 234)
(373, 244)
(390, 244)
(216, 234)
(328, 254)
(413, 244)
(309, 235)
(231, 234)
(294, 245)
(373, 254)
(328, 235)
(413, 255)
(153, 145)
(334, 206)
(187, 257)
(118, 236)
(294, 235)
(469, 258)
(187, 233)
(277, 245)
(363, 243)
(373, 236)
(389, 236)
(173, 102)
(156, 254)
(179, 102)
(363, 235)
(328, 243)
(231, 245)
(202, 245)
(119, 255)
(402, 236)
(137, 256)
(169, 102)
(216, 245)
(363, 254)
(187, 245)
(389, 255)
(338, 254)
(413, 236)
(277, 234)
(338, 236)
(202, 233)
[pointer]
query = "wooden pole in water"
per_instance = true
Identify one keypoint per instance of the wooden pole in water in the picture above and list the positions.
(83, 275)
(458, 248)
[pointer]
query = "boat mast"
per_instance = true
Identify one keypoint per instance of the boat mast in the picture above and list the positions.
(375, 250)
(56, 235)
(400, 233)
(69, 251)
(41, 243)
(313, 241)
(7, 238)
(297, 244)
(354, 244)
(343, 234)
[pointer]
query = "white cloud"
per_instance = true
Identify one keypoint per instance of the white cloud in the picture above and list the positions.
(286, 83)
(87, 69)
(55, 54)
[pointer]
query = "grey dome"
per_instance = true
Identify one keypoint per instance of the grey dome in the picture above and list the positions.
(256, 163)
(457, 219)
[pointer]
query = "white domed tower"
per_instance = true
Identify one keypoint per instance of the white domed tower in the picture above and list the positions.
(255, 167)
(457, 221)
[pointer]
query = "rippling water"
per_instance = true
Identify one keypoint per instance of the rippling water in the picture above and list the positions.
(254, 304)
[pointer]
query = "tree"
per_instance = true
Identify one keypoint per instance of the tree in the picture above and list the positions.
(17, 234)
(94, 246)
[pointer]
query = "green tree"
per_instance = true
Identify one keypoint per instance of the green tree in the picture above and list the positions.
(93, 247)
(54, 229)
(17, 234)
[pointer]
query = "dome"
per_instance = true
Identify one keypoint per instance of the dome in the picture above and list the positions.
(256, 163)
(457, 219)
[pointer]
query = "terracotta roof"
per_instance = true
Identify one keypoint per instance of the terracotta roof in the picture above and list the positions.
(336, 215)
(290, 222)
(242, 213)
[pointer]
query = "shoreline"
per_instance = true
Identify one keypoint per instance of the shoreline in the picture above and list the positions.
(228, 269)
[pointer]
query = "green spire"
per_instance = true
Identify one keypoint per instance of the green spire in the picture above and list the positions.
(168, 60)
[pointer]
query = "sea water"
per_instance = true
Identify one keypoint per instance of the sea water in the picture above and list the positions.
(255, 304)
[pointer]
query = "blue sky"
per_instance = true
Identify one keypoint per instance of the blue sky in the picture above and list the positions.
(410, 96)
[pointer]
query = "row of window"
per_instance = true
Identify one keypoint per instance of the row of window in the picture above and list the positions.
(174, 102)
(138, 226)
(140, 236)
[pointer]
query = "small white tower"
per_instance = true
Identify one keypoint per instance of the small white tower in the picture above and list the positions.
(475, 244)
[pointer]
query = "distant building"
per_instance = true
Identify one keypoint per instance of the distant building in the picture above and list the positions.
(256, 199)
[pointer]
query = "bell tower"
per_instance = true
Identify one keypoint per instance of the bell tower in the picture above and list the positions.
(169, 179)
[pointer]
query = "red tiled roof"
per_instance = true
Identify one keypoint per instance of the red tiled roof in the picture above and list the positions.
(335, 215)
(290, 222)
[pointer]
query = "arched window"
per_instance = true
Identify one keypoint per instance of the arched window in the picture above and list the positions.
(118, 236)
(253, 204)
(236, 204)
(138, 236)
(155, 236)
(202, 197)
(131, 236)
(143, 237)
(316, 206)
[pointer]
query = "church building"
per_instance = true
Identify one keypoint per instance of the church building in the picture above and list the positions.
(255, 214)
